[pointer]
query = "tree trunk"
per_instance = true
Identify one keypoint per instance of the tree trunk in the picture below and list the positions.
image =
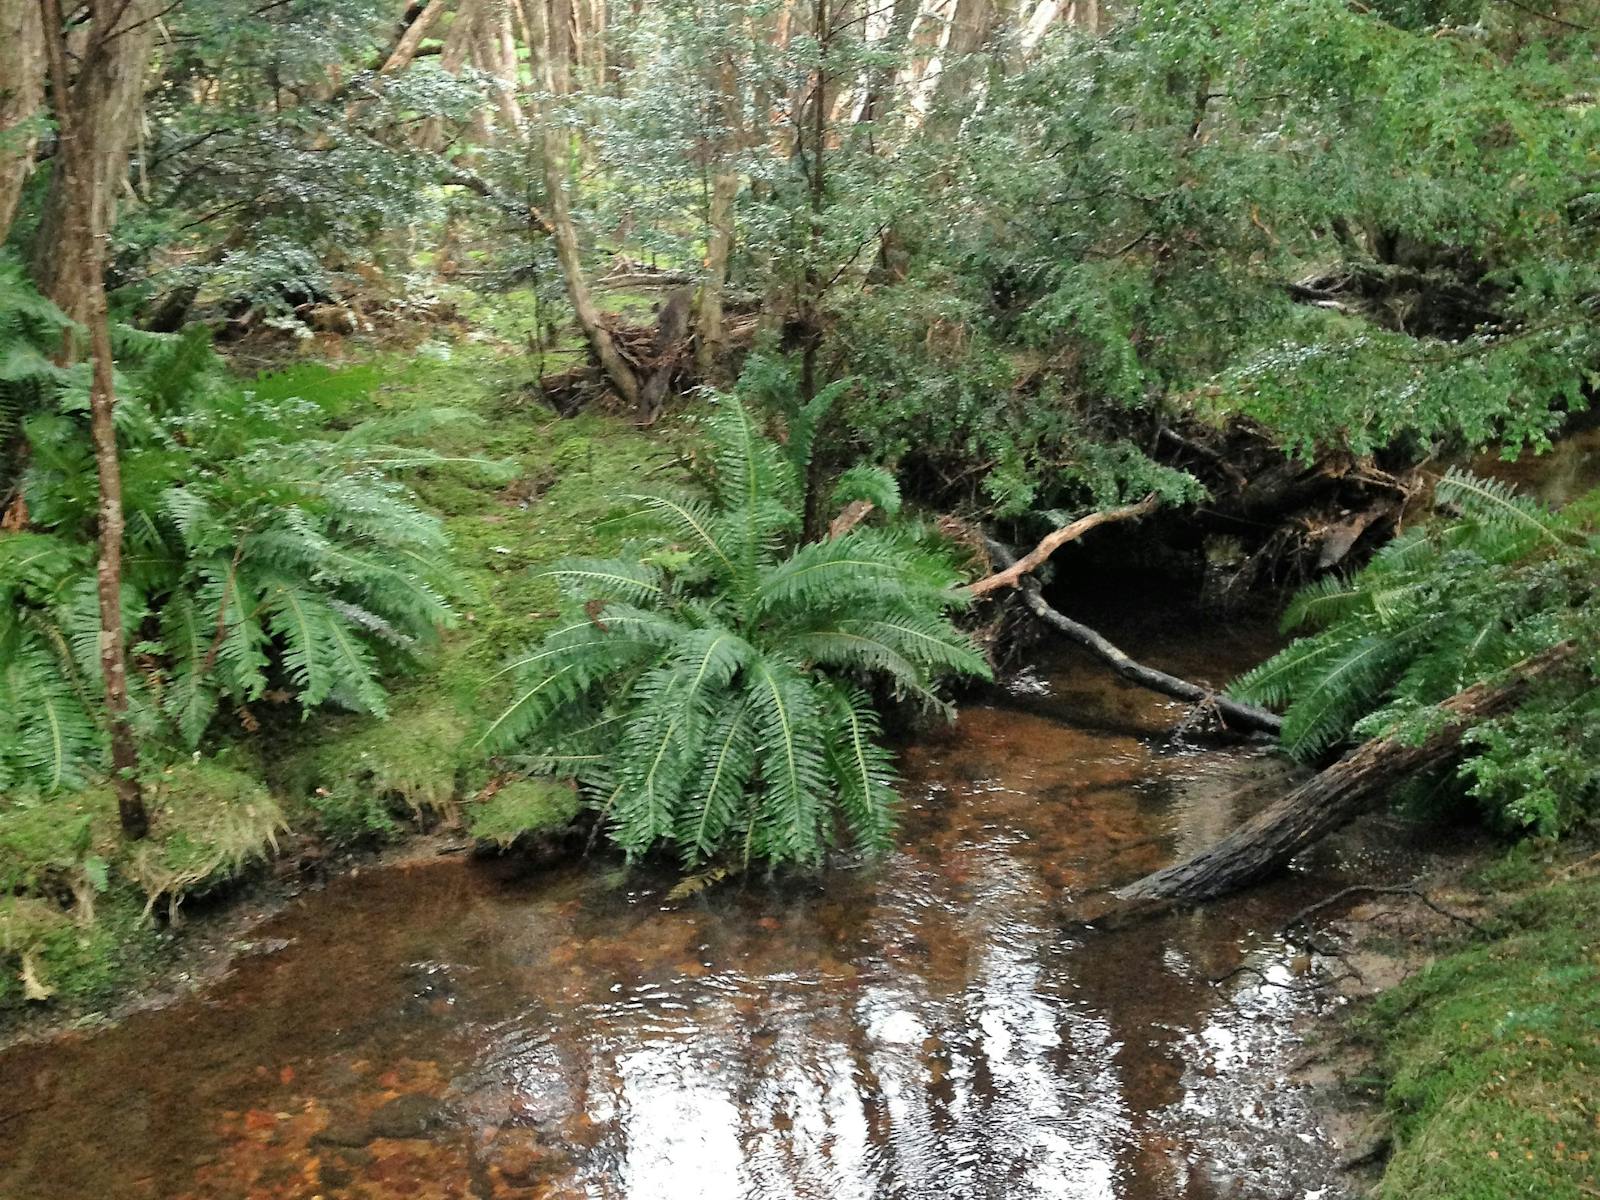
(405, 47)
(104, 106)
(1317, 807)
(724, 191)
(113, 649)
(82, 214)
(22, 74)
(550, 75)
(458, 40)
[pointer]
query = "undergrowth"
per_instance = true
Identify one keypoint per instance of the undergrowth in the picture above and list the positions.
(82, 913)
(1491, 1058)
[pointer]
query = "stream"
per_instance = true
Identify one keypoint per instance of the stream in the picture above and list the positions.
(938, 1025)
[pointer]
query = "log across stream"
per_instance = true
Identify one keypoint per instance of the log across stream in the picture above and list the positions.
(938, 1026)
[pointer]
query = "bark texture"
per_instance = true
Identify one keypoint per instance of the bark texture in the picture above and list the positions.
(22, 75)
(102, 107)
(1267, 842)
(82, 221)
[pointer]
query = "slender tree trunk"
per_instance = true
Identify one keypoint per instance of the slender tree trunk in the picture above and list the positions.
(724, 192)
(1268, 841)
(495, 52)
(405, 47)
(113, 648)
(457, 52)
(105, 108)
(712, 336)
(549, 52)
(82, 225)
(22, 77)
(815, 519)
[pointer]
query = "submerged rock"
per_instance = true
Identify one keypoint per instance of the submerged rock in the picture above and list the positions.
(413, 1115)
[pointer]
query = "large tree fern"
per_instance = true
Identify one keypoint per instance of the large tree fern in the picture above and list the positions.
(711, 693)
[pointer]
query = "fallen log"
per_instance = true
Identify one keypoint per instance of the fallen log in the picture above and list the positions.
(1239, 716)
(1266, 842)
(1040, 554)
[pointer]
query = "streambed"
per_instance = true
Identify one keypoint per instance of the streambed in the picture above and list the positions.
(939, 1025)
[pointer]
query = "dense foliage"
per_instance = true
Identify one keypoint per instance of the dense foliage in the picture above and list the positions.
(266, 553)
(710, 693)
(1444, 606)
(1023, 257)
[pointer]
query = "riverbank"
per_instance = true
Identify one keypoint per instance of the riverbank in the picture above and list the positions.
(519, 488)
(1467, 1062)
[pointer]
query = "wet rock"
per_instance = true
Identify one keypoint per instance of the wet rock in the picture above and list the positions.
(331, 1176)
(522, 1157)
(413, 1115)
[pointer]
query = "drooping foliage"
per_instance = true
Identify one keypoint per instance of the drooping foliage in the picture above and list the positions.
(711, 693)
(1438, 609)
(265, 554)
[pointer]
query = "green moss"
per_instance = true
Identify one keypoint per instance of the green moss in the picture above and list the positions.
(1492, 1057)
(524, 806)
(207, 822)
(75, 962)
(44, 842)
(358, 775)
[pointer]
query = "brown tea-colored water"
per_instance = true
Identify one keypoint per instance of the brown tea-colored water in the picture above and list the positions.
(936, 1026)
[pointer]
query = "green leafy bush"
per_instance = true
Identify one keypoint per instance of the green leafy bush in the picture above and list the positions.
(1441, 607)
(709, 692)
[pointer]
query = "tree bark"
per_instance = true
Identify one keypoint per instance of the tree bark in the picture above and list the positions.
(82, 225)
(405, 47)
(22, 76)
(1322, 804)
(458, 42)
(1239, 716)
(710, 334)
(103, 107)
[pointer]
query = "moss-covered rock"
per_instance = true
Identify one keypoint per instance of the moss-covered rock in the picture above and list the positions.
(523, 808)
(207, 822)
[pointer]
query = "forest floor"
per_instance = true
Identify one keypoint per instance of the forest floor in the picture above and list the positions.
(527, 488)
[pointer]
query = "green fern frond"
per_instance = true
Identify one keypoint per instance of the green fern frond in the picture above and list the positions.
(864, 770)
(1349, 682)
(605, 578)
(1497, 503)
(872, 484)
(792, 764)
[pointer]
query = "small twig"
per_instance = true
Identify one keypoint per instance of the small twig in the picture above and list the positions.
(1367, 889)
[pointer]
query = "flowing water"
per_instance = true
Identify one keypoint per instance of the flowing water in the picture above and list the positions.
(937, 1026)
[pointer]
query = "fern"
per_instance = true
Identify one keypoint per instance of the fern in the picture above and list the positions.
(1445, 606)
(260, 553)
(720, 708)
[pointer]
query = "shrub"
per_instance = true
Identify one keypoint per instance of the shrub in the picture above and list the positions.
(1438, 609)
(709, 692)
